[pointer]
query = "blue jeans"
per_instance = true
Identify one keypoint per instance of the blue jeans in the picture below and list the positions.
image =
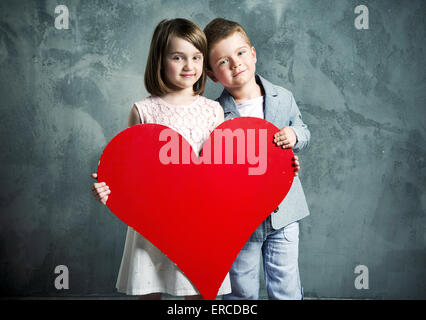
(280, 251)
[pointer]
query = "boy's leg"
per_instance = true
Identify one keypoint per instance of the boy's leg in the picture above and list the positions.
(244, 273)
(280, 261)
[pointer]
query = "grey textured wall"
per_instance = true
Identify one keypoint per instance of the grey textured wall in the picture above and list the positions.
(66, 93)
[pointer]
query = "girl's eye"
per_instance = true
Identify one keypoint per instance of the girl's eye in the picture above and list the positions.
(222, 62)
(178, 58)
(197, 58)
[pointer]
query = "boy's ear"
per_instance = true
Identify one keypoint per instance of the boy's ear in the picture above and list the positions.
(253, 52)
(210, 74)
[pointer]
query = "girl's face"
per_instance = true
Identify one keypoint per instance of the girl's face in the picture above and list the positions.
(183, 64)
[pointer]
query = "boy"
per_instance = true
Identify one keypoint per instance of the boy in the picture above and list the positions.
(232, 61)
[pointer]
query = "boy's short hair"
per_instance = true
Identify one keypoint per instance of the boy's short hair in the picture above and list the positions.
(219, 29)
(155, 81)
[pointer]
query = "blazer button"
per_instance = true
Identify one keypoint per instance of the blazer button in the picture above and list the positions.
(277, 209)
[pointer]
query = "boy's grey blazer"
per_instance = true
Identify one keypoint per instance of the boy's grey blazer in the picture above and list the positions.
(280, 109)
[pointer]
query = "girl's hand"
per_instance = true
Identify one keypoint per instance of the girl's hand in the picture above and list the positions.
(286, 138)
(296, 165)
(100, 190)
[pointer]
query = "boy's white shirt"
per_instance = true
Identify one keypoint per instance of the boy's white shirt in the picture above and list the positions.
(251, 108)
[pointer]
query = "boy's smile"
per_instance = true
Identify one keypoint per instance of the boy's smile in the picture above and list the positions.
(233, 62)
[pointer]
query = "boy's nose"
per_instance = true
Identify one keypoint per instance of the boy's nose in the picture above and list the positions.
(235, 64)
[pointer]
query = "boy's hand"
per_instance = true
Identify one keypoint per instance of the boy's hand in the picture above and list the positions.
(100, 190)
(286, 138)
(296, 165)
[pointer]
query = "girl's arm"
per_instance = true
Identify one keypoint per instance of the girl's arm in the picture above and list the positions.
(134, 117)
(99, 189)
(220, 117)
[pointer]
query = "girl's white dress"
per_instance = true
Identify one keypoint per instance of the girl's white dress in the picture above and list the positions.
(145, 269)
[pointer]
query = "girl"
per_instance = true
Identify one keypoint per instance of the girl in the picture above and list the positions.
(175, 78)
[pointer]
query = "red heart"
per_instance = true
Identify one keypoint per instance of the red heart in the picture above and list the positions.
(199, 215)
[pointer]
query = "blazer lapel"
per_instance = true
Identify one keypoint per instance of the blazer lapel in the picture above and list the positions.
(270, 107)
(228, 104)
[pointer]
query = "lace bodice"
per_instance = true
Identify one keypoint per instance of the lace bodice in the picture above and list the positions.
(194, 122)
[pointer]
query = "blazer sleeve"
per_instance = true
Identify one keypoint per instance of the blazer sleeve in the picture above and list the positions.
(300, 128)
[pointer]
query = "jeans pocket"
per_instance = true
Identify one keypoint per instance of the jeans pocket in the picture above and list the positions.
(291, 232)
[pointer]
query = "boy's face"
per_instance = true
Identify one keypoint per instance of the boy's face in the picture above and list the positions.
(232, 62)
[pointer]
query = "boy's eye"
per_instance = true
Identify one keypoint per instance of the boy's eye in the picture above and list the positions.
(223, 61)
(241, 52)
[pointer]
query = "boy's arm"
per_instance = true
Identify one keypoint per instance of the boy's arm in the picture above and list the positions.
(299, 127)
(296, 135)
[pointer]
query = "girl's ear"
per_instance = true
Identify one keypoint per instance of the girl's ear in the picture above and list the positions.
(210, 74)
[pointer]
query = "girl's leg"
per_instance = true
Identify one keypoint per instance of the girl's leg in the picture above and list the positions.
(151, 296)
(196, 297)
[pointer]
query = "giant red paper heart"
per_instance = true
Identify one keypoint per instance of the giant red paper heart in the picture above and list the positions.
(199, 214)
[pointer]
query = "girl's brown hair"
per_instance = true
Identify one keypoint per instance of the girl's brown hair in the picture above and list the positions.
(155, 82)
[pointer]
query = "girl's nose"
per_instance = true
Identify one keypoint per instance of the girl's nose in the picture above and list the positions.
(188, 64)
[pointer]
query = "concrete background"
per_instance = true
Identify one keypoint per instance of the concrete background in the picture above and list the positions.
(66, 93)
